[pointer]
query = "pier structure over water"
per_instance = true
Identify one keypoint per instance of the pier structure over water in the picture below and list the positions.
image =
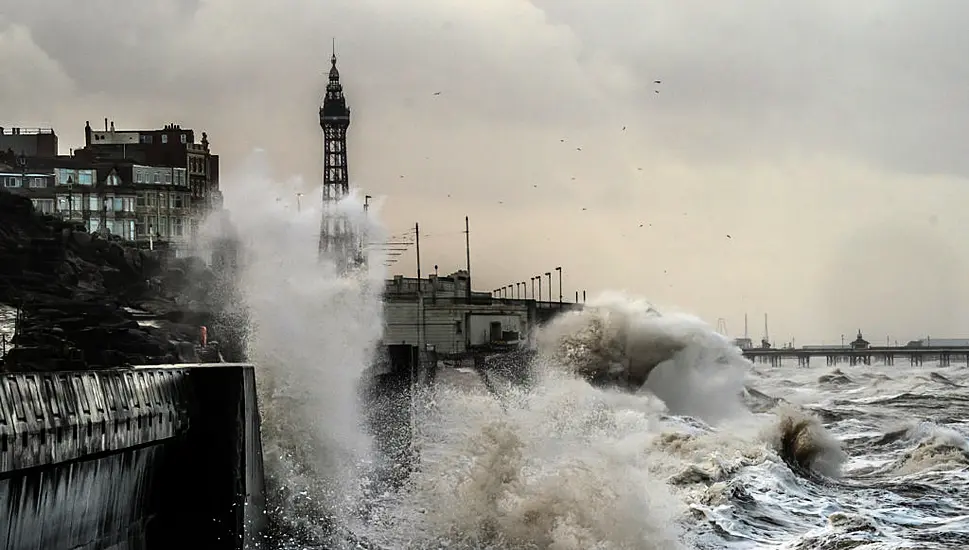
(835, 355)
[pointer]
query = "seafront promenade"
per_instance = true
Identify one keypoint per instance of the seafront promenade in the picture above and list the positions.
(835, 355)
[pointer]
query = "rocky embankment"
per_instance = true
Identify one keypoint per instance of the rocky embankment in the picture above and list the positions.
(90, 301)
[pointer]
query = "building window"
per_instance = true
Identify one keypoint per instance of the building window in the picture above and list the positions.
(177, 227)
(93, 204)
(184, 139)
(11, 181)
(157, 178)
(164, 138)
(140, 199)
(63, 176)
(152, 199)
(168, 178)
(93, 225)
(38, 183)
(162, 201)
(113, 180)
(85, 177)
(44, 206)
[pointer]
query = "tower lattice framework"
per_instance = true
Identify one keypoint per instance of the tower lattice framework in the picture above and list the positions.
(337, 238)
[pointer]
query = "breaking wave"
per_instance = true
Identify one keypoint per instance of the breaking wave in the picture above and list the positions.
(629, 411)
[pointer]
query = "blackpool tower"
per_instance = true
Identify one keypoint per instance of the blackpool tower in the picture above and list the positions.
(337, 239)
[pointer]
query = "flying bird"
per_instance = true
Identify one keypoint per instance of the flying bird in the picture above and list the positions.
(437, 93)
(657, 82)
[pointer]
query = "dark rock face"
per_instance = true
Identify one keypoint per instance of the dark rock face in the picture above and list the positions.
(76, 293)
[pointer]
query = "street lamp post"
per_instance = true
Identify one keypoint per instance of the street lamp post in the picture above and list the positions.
(539, 277)
(298, 204)
(524, 290)
(22, 161)
(533, 287)
(549, 275)
(559, 269)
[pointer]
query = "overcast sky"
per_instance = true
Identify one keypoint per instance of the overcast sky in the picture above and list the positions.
(805, 159)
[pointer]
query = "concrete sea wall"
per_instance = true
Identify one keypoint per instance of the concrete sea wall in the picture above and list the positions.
(142, 458)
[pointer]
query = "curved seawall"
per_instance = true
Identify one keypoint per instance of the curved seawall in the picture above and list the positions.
(131, 458)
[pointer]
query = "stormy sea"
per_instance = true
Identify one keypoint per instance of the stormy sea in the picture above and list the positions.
(713, 452)
(618, 427)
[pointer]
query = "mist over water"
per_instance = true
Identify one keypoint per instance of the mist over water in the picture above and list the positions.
(636, 429)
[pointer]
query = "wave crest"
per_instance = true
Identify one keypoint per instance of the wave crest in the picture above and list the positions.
(804, 444)
(625, 343)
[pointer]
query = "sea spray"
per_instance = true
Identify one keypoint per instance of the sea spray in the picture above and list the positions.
(562, 463)
(312, 335)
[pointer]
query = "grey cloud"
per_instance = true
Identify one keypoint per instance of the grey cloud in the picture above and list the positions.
(768, 111)
(883, 79)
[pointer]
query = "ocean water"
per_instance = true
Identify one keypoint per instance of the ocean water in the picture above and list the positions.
(713, 452)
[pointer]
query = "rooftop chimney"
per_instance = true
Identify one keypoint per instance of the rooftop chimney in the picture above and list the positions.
(112, 125)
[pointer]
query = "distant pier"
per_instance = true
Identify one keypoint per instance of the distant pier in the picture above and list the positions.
(836, 355)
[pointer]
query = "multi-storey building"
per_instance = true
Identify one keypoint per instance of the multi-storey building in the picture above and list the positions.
(170, 147)
(163, 205)
(94, 196)
(150, 186)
